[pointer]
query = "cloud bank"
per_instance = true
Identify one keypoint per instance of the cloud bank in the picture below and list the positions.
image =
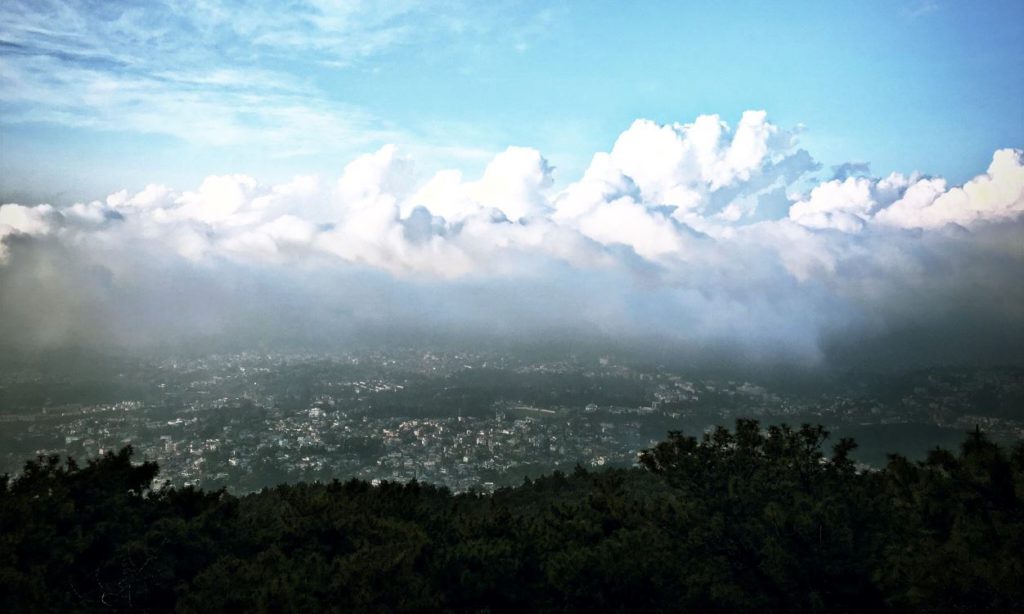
(698, 238)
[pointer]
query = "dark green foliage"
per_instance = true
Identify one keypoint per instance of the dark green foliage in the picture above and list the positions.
(780, 526)
(960, 529)
(743, 520)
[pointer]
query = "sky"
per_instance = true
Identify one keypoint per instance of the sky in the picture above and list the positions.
(798, 180)
(95, 97)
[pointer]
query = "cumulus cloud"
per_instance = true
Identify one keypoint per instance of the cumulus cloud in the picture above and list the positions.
(691, 237)
(843, 205)
(996, 195)
(917, 201)
(680, 164)
(28, 220)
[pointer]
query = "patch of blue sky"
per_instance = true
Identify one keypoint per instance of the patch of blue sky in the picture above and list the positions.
(99, 96)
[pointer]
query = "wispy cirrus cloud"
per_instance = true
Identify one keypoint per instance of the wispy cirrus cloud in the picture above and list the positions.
(212, 74)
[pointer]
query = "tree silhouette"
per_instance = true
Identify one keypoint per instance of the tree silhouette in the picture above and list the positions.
(733, 520)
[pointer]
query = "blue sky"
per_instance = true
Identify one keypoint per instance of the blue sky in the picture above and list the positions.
(95, 97)
(624, 171)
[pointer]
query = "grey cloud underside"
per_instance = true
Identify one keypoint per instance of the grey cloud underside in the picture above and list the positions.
(690, 240)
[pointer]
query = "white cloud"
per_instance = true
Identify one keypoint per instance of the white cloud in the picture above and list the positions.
(680, 165)
(444, 195)
(843, 205)
(996, 195)
(658, 237)
(28, 220)
(916, 202)
(623, 221)
(153, 195)
(514, 183)
(220, 200)
(19, 219)
(602, 182)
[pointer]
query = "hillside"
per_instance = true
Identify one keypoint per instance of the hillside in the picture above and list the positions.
(749, 519)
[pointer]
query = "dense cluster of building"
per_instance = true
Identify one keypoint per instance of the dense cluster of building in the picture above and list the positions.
(249, 421)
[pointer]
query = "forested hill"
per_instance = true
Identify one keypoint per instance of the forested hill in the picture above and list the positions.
(752, 520)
